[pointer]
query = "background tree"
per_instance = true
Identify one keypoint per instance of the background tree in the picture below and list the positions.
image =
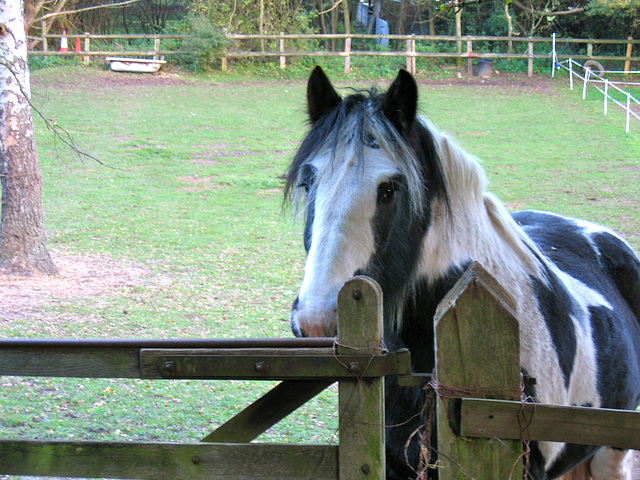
(537, 16)
(23, 240)
(619, 18)
(152, 15)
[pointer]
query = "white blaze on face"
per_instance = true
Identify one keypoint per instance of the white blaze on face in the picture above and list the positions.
(342, 239)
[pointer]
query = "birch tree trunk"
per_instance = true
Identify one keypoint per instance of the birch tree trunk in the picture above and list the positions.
(23, 242)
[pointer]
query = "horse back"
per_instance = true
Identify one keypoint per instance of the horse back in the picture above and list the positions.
(606, 264)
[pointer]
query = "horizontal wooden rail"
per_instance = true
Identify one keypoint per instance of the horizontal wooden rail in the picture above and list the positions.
(347, 52)
(531, 421)
(169, 461)
(277, 359)
(443, 38)
(68, 343)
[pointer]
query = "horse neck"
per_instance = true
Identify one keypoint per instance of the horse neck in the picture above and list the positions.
(474, 225)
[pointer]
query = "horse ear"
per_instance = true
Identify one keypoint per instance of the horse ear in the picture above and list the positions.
(321, 96)
(401, 101)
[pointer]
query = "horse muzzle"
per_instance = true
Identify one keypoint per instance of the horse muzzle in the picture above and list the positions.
(314, 322)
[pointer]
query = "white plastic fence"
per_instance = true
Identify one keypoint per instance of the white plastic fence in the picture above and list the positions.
(604, 86)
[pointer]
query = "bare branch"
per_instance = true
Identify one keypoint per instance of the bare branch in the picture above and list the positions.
(95, 7)
(337, 4)
(59, 132)
(548, 14)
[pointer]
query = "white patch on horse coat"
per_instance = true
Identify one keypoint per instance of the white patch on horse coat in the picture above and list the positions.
(610, 464)
(342, 236)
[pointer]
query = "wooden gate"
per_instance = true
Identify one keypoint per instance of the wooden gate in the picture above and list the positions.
(481, 419)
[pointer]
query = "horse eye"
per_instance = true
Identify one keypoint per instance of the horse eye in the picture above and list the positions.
(371, 142)
(305, 186)
(386, 192)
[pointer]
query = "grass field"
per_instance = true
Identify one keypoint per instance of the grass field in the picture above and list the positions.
(182, 234)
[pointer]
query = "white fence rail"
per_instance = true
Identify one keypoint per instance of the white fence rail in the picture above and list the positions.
(604, 86)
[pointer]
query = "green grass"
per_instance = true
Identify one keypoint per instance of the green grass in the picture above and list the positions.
(191, 200)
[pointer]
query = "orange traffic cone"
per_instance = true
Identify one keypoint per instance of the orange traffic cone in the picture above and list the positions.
(78, 46)
(64, 44)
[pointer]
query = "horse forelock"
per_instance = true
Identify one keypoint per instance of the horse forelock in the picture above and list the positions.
(359, 122)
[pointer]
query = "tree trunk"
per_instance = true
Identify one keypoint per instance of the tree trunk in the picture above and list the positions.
(347, 17)
(23, 242)
(402, 20)
(334, 23)
(373, 19)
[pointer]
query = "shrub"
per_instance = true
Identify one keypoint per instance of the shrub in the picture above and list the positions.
(205, 45)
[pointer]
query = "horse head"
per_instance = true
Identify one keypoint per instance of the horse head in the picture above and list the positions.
(365, 174)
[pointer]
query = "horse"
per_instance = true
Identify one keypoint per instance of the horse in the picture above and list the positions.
(386, 194)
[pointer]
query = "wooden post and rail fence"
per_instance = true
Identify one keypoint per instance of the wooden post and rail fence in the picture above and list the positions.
(477, 351)
(278, 46)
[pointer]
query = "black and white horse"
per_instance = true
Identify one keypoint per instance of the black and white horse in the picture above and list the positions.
(388, 195)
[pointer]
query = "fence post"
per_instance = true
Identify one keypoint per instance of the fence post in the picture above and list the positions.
(587, 75)
(156, 48)
(347, 55)
(477, 355)
(628, 111)
(570, 74)
(554, 55)
(362, 437)
(87, 47)
(530, 61)
(627, 63)
(283, 59)
(411, 58)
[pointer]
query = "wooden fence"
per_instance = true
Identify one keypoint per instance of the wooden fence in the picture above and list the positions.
(477, 347)
(305, 367)
(280, 47)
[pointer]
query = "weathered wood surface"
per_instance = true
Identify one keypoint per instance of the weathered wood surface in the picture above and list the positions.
(478, 353)
(131, 359)
(362, 435)
(553, 423)
(247, 364)
(104, 358)
(265, 412)
(167, 461)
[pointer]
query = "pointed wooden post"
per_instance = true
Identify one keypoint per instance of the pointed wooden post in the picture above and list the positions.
(477, 355)
(362, 446)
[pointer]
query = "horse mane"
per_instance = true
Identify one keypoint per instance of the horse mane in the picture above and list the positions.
(465, 175)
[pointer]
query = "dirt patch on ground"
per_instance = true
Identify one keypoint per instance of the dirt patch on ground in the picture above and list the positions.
(79, 276)
(500, 81)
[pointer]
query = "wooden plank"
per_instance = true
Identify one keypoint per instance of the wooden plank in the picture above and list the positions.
(477, 350)
(70, 362)
(362, 435)
(265, 412)
(245, 364)
(119, 358)
(167, 461)
(581, 425)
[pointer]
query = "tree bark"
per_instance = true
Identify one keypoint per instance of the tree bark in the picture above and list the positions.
(402, 20)
(23, 240)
